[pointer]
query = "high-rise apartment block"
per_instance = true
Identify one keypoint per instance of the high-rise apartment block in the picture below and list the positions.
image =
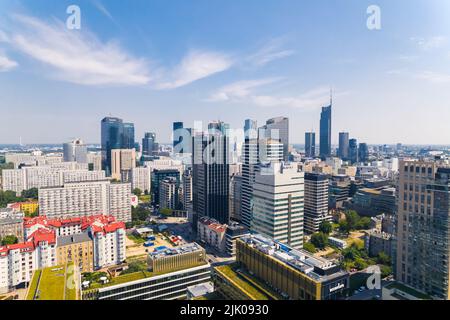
(77, 199)
(27, 178)
(168, 193)
(141, 179)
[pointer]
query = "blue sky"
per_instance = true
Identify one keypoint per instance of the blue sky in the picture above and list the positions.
(153, 62)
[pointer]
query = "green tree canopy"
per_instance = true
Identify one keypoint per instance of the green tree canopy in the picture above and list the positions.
(137, 192)
(7, 197)
(326, 227)
(308, 246)
(319, 240)
(10, 239)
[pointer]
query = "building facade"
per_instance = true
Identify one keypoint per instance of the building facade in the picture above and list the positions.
(78, 199)
(278, 203)
(316, 201)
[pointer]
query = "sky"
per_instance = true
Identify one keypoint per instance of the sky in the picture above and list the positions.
(153, 62)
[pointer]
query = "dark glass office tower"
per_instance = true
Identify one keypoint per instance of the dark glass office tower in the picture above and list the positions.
(343, 145)
(149, 144)
(176, 137)
(128, 141)
(363, 152)
(353, 151)
(325, 132)
(210, 176)
(310, 144)
(112, 138)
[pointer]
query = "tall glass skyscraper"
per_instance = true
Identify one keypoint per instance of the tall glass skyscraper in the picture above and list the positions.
(115, 135)
(111, 132)
(310, 144)
(363, 152)
(353, 151)
(325, 132)
(278, 129)
(210, 173)
(176, 137)
(128, 141)
(343, 145)
(149, 144)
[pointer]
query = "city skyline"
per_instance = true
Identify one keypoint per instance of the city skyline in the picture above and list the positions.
(139, 64)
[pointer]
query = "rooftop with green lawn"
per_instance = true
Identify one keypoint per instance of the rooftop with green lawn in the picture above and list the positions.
(408, 290)
(53, 283)
(135, 276)
(251, 286)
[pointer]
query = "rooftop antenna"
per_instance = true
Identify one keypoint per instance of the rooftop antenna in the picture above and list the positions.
(331, 95)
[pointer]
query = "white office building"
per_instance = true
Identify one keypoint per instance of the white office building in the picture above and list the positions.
(278, 200)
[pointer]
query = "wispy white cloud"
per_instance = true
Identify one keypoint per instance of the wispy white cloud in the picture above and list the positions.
(239, 89)
(77, 56)
(99, 5)
(430, 43)
(271, 51)
(7, 64)
(195, 66)
(434, 77)
(246, 92)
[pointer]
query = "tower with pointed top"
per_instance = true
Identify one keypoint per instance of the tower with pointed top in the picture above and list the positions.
(325, 129)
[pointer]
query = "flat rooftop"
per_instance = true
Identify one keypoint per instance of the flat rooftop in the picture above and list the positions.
(190, 247)
(139, 275)
(299, 259)
(53, 283)
(248, 284)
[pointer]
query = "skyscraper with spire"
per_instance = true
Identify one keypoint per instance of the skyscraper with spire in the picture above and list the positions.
(325, 130)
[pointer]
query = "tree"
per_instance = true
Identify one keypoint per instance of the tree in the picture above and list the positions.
(139, 214)
(166, 211)
(352, 219)
(308, 246)
(319, 240)
(363, 223)
(326, 227)
(10, 239)
(137, 192)
(343, 226)
(7, 197)
(5, 166)
(30, 194)
(385, 271)
(360, 264)
(384, 259)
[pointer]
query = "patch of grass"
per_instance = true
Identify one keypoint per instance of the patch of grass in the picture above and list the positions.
(241, 283)
(136, 239)
(52, 284)
(33, 285)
